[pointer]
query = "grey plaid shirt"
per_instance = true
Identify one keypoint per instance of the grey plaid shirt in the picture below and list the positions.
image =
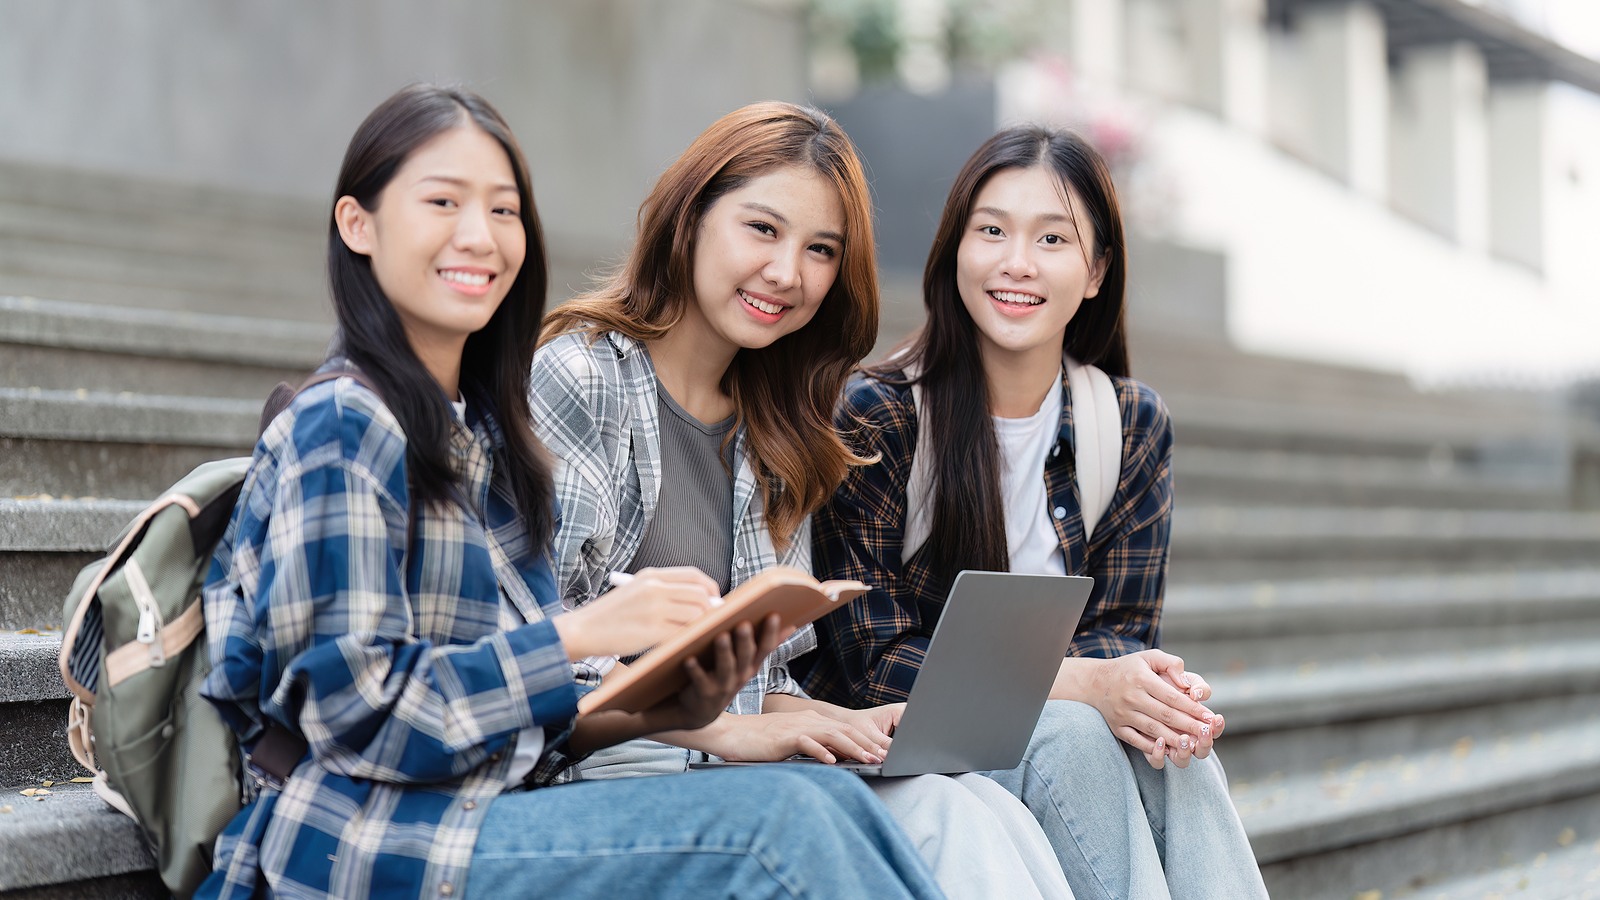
(594, 406)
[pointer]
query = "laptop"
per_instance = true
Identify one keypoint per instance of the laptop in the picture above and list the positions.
(985, 678)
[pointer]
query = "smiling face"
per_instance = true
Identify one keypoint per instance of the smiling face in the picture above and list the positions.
(1022, 268)
(446, 240)
(765, 256)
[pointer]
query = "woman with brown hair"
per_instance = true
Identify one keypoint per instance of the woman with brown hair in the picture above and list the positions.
(689, 404)
(971, 428)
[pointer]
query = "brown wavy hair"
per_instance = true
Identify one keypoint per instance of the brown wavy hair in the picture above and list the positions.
(783, 394)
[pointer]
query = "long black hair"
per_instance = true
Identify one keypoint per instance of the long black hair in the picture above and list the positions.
(496, 361)
(968, 521)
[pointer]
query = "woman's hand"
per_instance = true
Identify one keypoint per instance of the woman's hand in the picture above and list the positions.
(779, 735)
(1140, 698)
(877, 722)
(637, 615)
(738, 656)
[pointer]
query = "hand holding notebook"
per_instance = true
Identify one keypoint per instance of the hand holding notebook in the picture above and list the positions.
(797, 599)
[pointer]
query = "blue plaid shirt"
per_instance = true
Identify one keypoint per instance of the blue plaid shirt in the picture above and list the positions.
(873, 648)
(409, 674)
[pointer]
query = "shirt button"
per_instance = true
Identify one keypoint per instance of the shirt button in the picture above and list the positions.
(446, 889)
(1060, 512)
(470, 804)
(739, 562)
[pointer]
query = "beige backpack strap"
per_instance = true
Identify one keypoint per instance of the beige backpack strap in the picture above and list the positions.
(1096, 440)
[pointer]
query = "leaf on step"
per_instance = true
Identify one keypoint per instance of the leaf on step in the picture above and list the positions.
(6, 810)
(83, 779)
(27, 631)
(1370, 895)
(29, 792)
(47, 784)
(1566, 837)
(1462, 748)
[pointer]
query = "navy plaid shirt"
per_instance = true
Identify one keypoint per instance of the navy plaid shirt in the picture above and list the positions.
(871, 649)
(410, 674)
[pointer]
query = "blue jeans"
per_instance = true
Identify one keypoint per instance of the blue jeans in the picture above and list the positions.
(1123, 829)
(765, 831)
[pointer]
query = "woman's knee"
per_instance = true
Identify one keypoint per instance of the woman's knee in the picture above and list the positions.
(1075, 732)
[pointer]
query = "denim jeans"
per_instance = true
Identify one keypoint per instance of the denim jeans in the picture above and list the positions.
(770, 831)
(980, 843)
(1124, 830)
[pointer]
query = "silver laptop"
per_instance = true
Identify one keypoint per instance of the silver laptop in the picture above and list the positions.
(986, 675)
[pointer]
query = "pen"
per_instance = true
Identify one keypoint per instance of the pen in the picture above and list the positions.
(618, 579)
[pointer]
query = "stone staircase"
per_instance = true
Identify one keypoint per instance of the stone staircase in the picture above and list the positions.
(1393, 593)
(1399, 608)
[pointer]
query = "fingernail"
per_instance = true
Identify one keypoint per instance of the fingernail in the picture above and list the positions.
(1184, 742)
(1196, 693)
(1188, 678)
(1210, 717)
(1161, 746)
(1205, 730)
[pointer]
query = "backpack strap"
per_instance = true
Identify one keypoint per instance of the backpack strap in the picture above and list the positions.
(1096, 440)
(1097, 452)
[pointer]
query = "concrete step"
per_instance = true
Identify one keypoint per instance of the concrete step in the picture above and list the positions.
(1271, 697)
(98, 193)
(1313, 812)
(264, 287)
(1250, 542)
(69, 843)
(66, 443)
(177, 236)
(33, 711)
(43, 545)
(58, 345)
(1545, 852)
(1414, 430)
(1359, 604)
(1221, 476)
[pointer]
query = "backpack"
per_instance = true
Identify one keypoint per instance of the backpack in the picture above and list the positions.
(1096, 447)
(133, 656)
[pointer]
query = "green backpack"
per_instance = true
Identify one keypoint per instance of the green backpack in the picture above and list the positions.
(134, 654)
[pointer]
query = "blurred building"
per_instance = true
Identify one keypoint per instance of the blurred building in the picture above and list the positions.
(1410, 185)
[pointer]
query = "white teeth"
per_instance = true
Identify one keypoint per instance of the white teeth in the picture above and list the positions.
(474, 279)
(770, 309)
(1014, 297)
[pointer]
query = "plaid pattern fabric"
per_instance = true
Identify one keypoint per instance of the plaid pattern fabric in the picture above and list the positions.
(873, 648)
(409, 674)
(595, 408)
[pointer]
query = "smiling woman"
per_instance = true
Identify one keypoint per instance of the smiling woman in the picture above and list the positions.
(689, 403)
(382, 615)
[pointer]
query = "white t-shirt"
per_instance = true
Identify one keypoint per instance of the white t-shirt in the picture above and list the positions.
(1025, 444)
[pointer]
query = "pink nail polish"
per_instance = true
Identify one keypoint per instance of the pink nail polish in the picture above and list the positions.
(1184, 742)
(1205, 730)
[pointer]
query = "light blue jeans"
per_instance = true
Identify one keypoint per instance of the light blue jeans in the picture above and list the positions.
(766, 831)
(1124, 830)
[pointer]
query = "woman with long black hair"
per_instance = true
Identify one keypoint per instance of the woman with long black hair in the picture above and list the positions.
(971, 424)
(383, 600)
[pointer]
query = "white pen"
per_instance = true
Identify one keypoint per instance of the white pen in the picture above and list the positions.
(618, 579)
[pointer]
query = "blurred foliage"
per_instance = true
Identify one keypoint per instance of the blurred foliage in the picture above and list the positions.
(971, 34)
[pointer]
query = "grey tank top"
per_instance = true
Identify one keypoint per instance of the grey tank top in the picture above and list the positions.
(693, 523)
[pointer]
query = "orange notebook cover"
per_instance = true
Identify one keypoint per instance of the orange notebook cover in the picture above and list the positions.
(796, 597)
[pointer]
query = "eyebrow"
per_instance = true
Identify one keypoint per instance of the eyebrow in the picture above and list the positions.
(783, 220)
(1002, 214)
(462, 182)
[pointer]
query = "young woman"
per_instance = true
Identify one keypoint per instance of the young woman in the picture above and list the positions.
(1026, 275)
(689, 405)
(383, 601)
